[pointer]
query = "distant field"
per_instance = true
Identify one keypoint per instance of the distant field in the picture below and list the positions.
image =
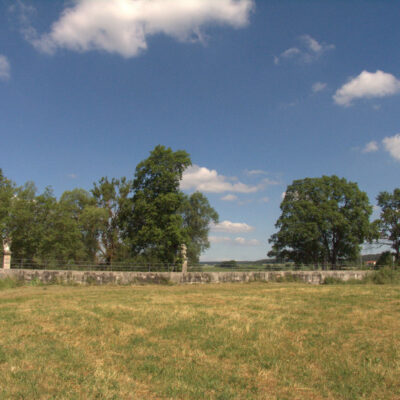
(230, 341)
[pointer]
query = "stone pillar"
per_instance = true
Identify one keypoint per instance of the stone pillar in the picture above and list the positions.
(184, 259)
(6, 255)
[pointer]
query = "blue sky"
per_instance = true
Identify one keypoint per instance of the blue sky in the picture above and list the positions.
(258, 92)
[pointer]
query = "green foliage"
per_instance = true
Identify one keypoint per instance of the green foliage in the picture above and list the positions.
(386, 258)
(111, 205)
(9, 283)
(384, 276)
(389, 222)
(323, 220)
(197, 215)
(228, 264)
(155, 224)
(145, 220)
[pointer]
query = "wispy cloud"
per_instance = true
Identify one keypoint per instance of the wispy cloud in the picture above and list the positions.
(370, 147)
(124, 26)
(309, 50)
(238, 241)
(392, 146)
(318, 87)
(5, 69)
(253, 172)
(232, 227)
(367, 85)
(72, 176)
(229, 197)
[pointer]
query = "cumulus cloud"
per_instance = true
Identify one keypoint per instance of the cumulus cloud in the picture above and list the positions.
(124, 26)
(232, 227)
(238, 241)
(367, 85)
(308, 51)
(318, 87)
(4, 68)
(209, 181)
(229, 197)
(370, 147)
(392, 146)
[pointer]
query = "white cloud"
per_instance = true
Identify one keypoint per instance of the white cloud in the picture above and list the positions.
(264, 200)
(206, 180)
(392, 146)
(309, 51)
(247, 242)
(4, 68)
(124, 26)
(238, 241)
(232, 227)
(370, 147)
(72, 176)
(318, 87)
(229, 197)
(256, 172)
(219, 239)
(367, 85)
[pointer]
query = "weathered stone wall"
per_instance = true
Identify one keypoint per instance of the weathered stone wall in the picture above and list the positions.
(127, 278)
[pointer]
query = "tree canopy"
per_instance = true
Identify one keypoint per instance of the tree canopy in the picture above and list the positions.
(144, 219)
(389, 222)
(323, 220)
(154, 226)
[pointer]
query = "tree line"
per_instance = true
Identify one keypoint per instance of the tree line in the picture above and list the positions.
(144, 219)
(326, 220)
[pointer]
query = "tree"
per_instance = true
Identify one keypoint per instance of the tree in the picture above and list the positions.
(385, 259)
(323, 220)
(112, 196)
(7, 193)
(197, 215)
(90, 219)
(389, 223)
(155, 224)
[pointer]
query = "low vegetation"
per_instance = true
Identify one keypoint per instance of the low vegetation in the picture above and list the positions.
(232, 341)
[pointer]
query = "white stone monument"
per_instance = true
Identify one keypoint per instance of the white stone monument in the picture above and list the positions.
(6, 254)
(184, 259)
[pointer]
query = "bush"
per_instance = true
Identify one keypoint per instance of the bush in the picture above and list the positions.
(228, 264)
(384, 276)
(331, 280)
(386, 258)
(9, 283)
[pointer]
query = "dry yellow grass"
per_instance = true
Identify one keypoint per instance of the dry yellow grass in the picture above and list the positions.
(231, 341)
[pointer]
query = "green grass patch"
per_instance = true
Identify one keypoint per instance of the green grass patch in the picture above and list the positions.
(254, 341)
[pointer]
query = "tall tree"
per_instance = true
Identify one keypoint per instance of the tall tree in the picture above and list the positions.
(7, 193)
(89, 217)
(155, 226)
(197, 215)
(113, 197)
(389, 222)
(323, 220)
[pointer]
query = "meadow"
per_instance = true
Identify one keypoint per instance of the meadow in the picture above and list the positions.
(227, 341)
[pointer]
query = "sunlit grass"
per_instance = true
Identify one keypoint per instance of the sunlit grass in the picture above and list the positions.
(231, 341)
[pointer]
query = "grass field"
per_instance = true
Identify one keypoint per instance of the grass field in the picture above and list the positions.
(230, 341)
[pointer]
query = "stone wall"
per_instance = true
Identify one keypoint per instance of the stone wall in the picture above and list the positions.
(127, 278)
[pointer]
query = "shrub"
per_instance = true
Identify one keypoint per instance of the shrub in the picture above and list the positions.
(385, 275)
